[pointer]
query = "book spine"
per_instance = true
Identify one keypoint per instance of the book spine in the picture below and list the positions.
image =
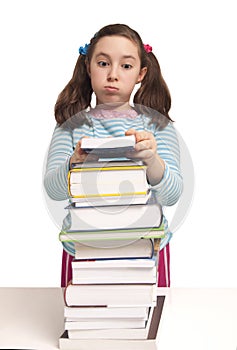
(129, 167)
(67, 237)
(97, 195)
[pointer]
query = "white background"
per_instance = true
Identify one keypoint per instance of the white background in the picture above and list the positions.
(195, 42)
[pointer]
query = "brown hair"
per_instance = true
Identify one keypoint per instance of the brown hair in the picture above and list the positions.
(153, 91)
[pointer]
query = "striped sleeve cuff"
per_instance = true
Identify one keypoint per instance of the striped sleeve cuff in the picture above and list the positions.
(169, 188)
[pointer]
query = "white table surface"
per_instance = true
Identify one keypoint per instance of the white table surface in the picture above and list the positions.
(192, 319)
(199, 319)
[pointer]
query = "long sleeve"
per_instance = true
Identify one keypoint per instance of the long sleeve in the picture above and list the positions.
(170, 187)
(59, 153)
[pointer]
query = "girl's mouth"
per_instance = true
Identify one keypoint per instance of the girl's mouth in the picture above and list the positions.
(111, 88)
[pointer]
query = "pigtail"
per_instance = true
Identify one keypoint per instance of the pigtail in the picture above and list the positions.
(76, 96)
(154, 92)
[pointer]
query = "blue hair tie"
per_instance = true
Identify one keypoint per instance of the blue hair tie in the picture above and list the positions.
(83, 49)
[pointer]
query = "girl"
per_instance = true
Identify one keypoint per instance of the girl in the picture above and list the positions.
(110, 66)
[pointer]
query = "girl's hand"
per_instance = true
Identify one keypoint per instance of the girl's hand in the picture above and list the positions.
(79, 156)
(146, 150)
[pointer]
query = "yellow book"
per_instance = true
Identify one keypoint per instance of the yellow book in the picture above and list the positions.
(107, 179)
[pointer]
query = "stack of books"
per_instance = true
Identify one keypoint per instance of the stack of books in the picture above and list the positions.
(116, 226)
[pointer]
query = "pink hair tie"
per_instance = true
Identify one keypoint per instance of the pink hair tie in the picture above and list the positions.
(147, 48)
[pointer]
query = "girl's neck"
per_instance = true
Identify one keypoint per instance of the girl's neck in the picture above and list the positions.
(115, 110)
(111, 111)
(117, 106)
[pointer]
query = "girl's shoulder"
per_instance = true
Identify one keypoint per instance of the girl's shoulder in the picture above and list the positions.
(155, 127)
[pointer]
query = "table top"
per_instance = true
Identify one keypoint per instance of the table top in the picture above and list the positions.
(197, 319)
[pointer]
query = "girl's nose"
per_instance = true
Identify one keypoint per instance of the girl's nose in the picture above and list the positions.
(113, 74)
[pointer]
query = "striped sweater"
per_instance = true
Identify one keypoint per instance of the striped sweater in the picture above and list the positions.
(64, 141)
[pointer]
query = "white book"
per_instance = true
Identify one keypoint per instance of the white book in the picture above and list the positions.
(141, 248)
(114, 275)
(104, 163)
(109, 146)
(105, 324)
(116, 217)
(96, 188)
(82, 313)
(107, 179)
(114, 271)
(135, 342)
(110, 294)
(106, 344)
(116, 333)
(103, 236)
(113, 263)
(102, 201)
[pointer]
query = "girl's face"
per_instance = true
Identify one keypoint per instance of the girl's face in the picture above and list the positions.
(114, 69)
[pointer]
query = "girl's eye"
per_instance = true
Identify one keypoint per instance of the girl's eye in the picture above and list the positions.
(127, 66)
(102, 63)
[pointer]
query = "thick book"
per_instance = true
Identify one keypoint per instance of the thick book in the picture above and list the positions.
(141, 248)
(116, 217)
(109, 146)
(114, 271)
(107, 179)
(136, 341)
(101, 236)
(110, 294)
